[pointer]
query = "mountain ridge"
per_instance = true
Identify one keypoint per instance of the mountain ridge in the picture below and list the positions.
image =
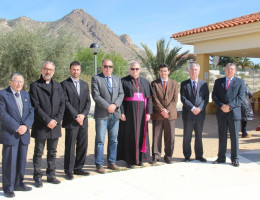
(84, 27)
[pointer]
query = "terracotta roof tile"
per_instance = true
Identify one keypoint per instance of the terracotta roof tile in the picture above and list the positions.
(246, 19)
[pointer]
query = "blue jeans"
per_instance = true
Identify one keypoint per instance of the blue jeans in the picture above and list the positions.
(102, 125)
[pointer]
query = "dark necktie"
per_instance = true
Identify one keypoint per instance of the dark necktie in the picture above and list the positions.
(17, 95)
(194, 87)
(77, 87)
(109, 84)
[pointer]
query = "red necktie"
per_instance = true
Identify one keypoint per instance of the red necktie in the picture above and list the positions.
(228, 83)
(164, 85)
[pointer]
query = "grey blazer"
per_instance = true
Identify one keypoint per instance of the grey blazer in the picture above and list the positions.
(103, 98)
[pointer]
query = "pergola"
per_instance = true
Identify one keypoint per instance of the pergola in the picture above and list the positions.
(238, 37)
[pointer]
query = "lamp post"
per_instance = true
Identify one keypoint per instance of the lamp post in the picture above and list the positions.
(95, 48)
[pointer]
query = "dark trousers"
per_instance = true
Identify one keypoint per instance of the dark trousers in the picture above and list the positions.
(225, 124)
(168, 126)
(76, 137)
(243, 128)
(13, 166)
(51, 156)
(188, 127)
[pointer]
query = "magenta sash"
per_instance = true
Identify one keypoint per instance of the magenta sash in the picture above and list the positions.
(139, 97)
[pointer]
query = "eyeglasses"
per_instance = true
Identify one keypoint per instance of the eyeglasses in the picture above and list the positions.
(135, 69)
(108, 66)
(47, 69)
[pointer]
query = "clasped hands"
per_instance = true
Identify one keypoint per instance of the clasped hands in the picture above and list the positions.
(196, 111)
(111, 108)
(225, 108)
(22, 129)
(80, 119)
(165, 113)
(52, 124)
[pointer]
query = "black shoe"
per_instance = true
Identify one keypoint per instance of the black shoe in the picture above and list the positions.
(201, 159)
(9, 194)
(68, 175)
(154, 161)
(38, 182)
(218, 161)
(24, 188)
(140, 164)
(235, 163)
(52, 179)
(186, 160)
(81, 172)
(167, 160)
(130, 166)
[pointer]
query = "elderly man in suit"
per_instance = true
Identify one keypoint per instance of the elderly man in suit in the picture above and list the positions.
(75, 122)
(108, 95)
(228, 92)
(164, 114)
(48, 101)
(16, 116)
(195, 97)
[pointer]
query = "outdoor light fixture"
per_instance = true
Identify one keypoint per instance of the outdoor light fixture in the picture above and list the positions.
(95, 48)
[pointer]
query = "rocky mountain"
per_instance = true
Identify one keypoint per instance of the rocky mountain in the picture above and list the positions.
(84, 27)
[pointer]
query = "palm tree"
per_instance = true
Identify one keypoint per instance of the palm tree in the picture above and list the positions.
(171, 57)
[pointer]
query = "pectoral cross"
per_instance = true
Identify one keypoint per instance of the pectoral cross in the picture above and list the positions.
(138, 94)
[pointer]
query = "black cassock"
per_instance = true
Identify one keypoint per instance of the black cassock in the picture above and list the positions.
(131, 147)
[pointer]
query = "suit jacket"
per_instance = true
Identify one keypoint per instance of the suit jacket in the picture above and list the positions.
(11, 119)
(47, 105)
(232, 97)
(75, 104)
(165, 99)
(189, 99)
(103, 98)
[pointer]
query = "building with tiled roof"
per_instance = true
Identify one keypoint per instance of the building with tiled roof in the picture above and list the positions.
(238, 37)
(246, 19)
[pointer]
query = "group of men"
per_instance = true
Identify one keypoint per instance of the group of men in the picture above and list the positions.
(123, 108)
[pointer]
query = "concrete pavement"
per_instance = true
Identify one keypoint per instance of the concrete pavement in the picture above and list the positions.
(176, 181)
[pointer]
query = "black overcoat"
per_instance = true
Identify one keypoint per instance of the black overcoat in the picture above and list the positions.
(47, 105)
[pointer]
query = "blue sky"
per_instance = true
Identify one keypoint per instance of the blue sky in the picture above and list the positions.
(145, 21)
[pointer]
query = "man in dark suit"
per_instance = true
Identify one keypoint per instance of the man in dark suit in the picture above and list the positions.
(75, 122)
(195, 97)
(164, 114)
(108, 95)
(48, 101)
(16, 116)
(228, 92)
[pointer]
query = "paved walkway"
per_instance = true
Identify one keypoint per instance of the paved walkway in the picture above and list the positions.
(179, 180)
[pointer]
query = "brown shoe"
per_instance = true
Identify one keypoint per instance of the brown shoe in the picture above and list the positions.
(246, 136)
(101, 170)
(113, 166)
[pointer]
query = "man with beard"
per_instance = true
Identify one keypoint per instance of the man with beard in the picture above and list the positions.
(75, 122)
(49, 104)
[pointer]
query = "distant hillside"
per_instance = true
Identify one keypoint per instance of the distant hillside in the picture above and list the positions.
(84, 27)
